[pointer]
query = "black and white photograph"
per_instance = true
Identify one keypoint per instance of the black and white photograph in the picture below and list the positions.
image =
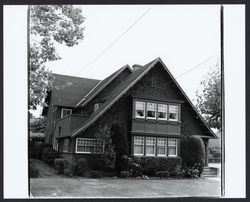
(128, 101)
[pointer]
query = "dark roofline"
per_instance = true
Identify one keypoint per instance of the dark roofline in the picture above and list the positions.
(99, 90)
(75, 77)
(150, 65)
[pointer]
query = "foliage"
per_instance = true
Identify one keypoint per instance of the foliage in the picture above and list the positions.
(208, 98)
(119, 139)
(191, 172)
(59, 165)
(33, 171)
(95, 174)
(48, 154)
(162, 174)
(35, 147)
(50, 25)
(64, 166)
(124, 174)
(192, 151)
(109, 156)
(81, 167)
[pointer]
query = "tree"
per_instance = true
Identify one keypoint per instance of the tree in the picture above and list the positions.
(208, 98)
(49, 25)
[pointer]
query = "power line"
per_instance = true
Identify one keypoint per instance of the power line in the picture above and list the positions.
(117, 39)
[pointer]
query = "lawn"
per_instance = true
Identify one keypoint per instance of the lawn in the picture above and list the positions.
(51, 185)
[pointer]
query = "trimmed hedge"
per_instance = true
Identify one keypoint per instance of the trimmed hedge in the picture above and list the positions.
(162, 174)
(81, 167)
(139, 166)
(33, 171)
(95, 174)
(49, 155)
(64, 166)
(192, 150)
(124, 174)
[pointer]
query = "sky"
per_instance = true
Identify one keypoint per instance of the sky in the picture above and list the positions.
(182, 36)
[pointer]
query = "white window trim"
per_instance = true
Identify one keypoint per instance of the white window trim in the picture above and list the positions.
(176, 148)
(176, 120)
(141, 117)
(96, 106)
(154, 111)
(63, 109)
(166, 147)
(163, 119)
(138, 154)
(82, 152)
(154, 154)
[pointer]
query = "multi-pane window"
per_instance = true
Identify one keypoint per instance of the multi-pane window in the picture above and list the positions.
(66, 145)
(89, 145)
(65, 112)
(162, 111)
(151, 110)
(173, 113)
(172, 147)
(138, 145)
(139, 109)
(161, 146)
(150, 146)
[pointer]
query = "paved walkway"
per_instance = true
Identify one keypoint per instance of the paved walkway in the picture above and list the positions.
(123, 188)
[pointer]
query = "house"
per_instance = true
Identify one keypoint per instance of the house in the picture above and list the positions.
(146, 100)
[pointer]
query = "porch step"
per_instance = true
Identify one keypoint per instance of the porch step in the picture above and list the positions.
(210, 172)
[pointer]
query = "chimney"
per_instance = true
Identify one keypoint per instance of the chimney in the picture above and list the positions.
(136, 67)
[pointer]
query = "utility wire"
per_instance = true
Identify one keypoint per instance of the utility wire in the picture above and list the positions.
(117, 39)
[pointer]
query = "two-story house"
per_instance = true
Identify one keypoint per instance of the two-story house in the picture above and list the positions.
(146, 100)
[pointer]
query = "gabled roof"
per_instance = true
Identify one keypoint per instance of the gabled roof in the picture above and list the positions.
(101, 85)
(123, 87)
(68, 90)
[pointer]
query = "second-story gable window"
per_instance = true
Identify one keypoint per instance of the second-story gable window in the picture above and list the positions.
(140, 109)
(173, 113)
(65, 112)
(162, 111)
(151, 110)
(96, 107)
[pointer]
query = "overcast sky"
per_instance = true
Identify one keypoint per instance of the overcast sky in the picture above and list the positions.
(182, 36)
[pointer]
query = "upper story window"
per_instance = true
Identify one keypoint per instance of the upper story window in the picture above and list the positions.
(151, 110)
(65, 112)
(96, 107)
(173, 113)
(162, 111)
(139, 109)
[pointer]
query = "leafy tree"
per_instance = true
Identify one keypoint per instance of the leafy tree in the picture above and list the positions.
(208, 98)
(49, 25)
(108, 157)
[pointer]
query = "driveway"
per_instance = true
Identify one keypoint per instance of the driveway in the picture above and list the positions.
(123, 188)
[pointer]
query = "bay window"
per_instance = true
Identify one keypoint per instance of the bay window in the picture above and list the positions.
(162, 111)
(161, 146)
(89, 145)
(172, 147)
(151, 110)
(173, 113)
(138, 146)
(140, 109)
(150, 146)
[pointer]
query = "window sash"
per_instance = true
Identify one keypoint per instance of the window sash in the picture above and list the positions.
(89, 146)
(139, 109)
(96, 107)
(151, 110)
(161, 146)
(162, 111)
(150, 146)
(138, 146)
(172, 147)
(173, 113)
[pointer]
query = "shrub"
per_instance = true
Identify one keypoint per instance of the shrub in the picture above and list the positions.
(33, 171)
(68, 172)
(81, 166)
(58, 165)
(191, 173)
(124, 174)
(35, 148)
(49, 155)
(135, 168)
(193, 153)
(122, 163)
(162, 174)
(95, 173)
